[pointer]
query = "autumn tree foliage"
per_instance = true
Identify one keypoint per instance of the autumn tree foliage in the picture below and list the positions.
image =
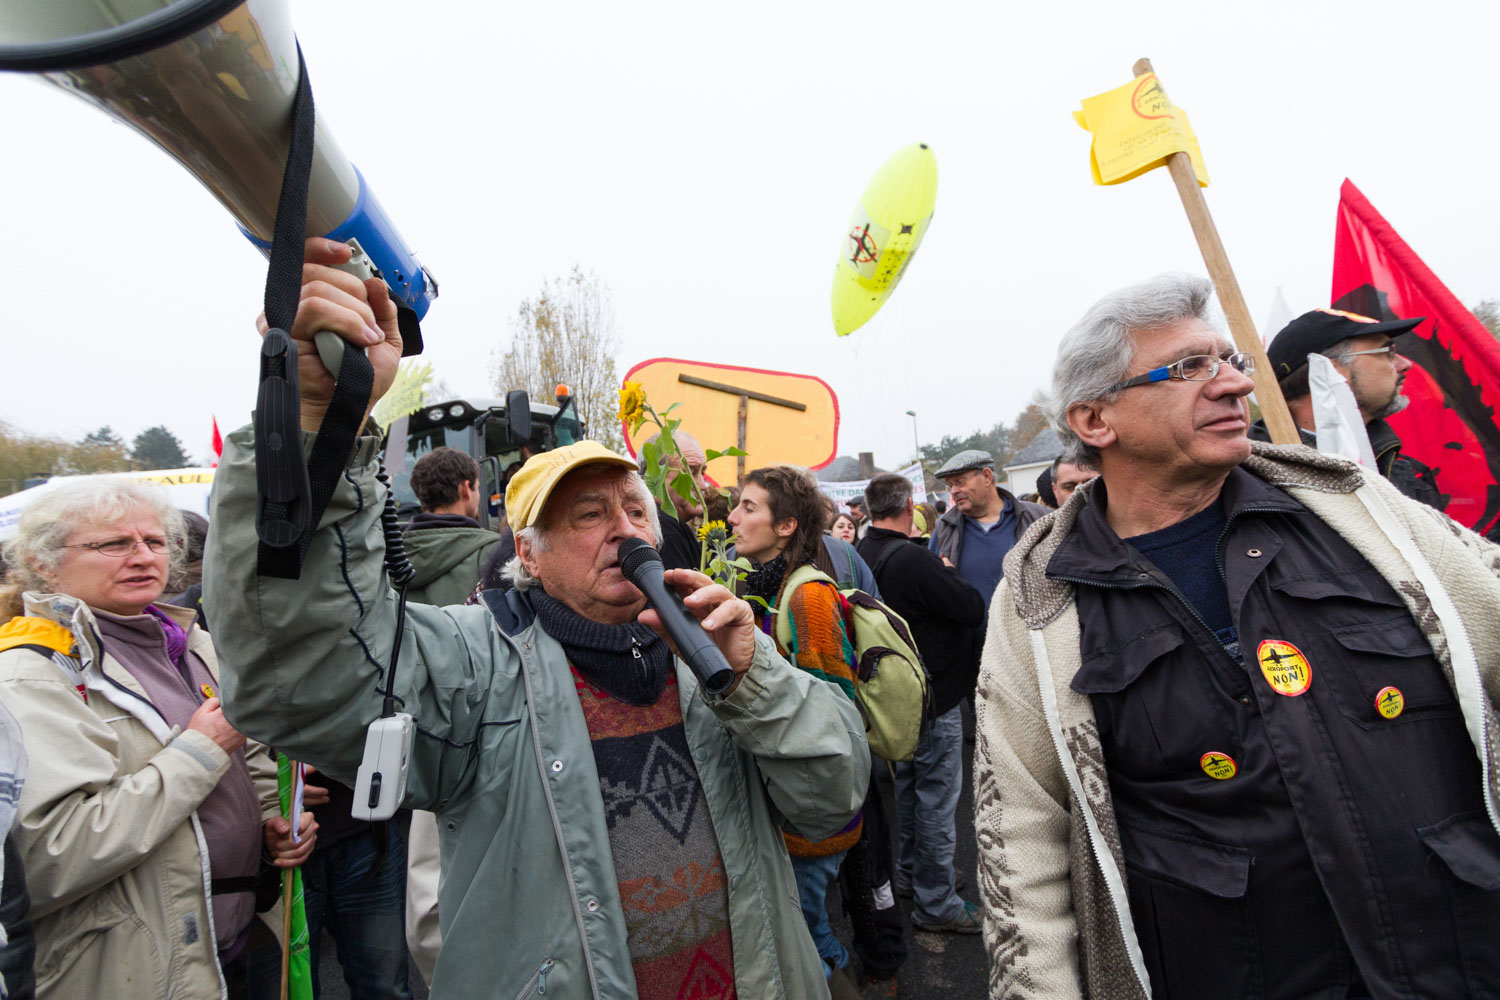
(566, 333)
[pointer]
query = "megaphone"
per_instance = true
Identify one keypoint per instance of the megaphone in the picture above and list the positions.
(212, 83)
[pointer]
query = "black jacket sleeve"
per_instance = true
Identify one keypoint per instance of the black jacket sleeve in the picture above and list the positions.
(940, 591)
(18, 953)
(679, 547)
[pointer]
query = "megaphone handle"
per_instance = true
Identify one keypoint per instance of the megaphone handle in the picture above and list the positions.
(331, 349)
(330, 345)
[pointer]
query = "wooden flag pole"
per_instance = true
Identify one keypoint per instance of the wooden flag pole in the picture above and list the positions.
(1267, 393)
(286, 931)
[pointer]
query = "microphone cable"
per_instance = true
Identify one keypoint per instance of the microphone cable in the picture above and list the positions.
(399, 568)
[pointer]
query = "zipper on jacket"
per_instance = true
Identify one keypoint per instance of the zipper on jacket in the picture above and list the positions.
(640, 661)
(557, 830)
(99, 666)
(536, 986)
(202, 842)
(1229, 523)
(1149, 582)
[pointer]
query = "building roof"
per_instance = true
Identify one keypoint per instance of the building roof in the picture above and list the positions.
(1043, 448)
(844, 469)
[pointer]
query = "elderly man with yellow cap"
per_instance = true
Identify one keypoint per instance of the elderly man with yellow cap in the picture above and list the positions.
(608, 828)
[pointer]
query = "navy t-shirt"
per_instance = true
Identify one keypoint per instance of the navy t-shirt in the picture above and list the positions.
(1185, 552)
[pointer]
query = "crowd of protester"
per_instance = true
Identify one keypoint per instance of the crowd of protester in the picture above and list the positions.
(1231, 709)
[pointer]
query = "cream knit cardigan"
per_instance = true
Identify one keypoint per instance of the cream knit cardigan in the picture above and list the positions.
(1051, 873)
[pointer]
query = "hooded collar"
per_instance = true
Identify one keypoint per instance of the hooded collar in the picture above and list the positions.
(93, 674)
(1092, 551)
(1039, 599)
(425, 520)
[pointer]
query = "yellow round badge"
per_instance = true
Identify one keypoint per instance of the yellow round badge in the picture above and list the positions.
(1390, 702)
(1284, 666)
(1218, 765)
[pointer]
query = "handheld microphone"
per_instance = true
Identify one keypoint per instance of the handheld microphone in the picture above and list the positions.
(641, 564)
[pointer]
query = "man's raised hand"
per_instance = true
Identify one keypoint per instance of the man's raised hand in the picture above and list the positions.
(335, 301)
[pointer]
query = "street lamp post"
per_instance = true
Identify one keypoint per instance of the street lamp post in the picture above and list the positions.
(915, 441)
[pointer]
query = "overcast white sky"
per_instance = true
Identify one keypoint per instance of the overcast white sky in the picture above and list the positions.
(704, 160)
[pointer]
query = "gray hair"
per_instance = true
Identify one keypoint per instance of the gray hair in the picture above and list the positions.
(46, 523)
(1096, 352)
(683, 439)
(1298, 383)
(520, 577)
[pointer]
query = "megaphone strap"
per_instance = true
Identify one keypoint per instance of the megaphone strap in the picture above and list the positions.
(284, 274)
(287, 518)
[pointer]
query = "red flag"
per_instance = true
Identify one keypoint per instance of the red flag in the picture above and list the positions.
(1454, 382)
(218, 444)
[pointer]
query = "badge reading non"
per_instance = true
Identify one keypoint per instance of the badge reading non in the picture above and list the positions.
(1284, 667)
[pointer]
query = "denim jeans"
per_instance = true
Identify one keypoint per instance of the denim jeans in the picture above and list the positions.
(365, 913)
(927, 790)
(814, 876)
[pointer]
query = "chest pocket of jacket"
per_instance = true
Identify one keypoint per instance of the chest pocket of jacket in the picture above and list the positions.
(1390, 653)
(1361, 639)
(1153, 702)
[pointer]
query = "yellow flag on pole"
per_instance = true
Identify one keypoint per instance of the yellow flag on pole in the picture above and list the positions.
(1135, 128)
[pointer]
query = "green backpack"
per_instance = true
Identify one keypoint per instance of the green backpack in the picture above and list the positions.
(890, 685)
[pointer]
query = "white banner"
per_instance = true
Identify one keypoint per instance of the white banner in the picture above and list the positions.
(842, 493)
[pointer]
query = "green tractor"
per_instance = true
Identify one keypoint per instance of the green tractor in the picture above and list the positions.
(498, 434)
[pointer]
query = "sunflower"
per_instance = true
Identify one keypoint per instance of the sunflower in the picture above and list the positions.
(713, 531)
(633, 404)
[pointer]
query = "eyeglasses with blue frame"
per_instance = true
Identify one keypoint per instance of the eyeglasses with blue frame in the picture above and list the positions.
(1195, 368)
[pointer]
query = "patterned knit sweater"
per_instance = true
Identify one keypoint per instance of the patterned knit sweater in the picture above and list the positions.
(823, 650)
(671, 874)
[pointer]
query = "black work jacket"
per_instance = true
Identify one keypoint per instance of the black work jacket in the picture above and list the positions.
(680, 547)
(941, 607)
(1346, 845)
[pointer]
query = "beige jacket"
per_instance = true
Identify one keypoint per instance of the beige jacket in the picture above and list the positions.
(1051, 870)
(115, 859)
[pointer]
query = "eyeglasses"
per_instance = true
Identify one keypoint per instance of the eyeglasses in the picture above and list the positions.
(118, 548)
(1197, 368)
(1387, 349)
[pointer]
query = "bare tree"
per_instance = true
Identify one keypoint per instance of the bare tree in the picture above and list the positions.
(1488, 313)
(567, 334)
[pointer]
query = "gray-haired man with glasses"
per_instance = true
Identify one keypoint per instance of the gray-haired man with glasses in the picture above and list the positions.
(1233, 704)
(1363, 350)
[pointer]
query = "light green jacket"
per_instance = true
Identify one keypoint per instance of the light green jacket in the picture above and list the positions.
(447, 562)
(502, 755)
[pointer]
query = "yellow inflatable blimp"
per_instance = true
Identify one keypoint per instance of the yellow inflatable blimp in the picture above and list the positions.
(888, 225)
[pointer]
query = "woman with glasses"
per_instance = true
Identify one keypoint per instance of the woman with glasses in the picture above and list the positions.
(143, 819)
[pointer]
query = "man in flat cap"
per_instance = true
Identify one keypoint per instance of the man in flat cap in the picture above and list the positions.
(608, 828)
(975, 534)
(1363, 350)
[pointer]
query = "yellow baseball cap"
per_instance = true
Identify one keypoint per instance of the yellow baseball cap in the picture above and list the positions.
(532, 485)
